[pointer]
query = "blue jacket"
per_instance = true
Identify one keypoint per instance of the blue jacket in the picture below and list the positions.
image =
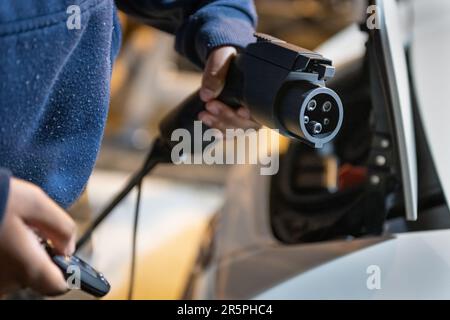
(54, 82)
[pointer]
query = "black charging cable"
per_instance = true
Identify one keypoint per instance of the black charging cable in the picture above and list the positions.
(159, 153)
(134, 241)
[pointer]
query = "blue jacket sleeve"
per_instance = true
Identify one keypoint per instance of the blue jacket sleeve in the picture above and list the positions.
(199, 25)
(4, 191)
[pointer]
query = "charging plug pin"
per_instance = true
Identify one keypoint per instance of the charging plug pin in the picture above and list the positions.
(312, 105)
(314, 127)
(326, 106)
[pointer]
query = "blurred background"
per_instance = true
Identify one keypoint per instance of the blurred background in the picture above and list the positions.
(149, 78)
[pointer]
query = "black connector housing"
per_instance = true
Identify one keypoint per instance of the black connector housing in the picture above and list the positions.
(282, 85)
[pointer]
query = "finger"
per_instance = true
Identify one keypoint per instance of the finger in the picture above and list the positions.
(218, 108)
(215, 73)
(213, 122)
(208, 119)
(52, 223)
(49, 280)
(223, 124)
(37, 271)
(230, 118)
(244, 113)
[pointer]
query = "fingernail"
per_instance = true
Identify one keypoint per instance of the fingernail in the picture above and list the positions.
(207, 94)
(213, 108)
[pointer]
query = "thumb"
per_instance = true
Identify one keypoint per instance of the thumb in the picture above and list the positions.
(215, 73)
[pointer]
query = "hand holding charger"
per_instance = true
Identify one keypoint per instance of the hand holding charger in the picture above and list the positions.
(282, 85)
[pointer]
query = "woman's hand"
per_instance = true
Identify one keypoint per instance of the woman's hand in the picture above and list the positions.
(217, 114)
(24, 263)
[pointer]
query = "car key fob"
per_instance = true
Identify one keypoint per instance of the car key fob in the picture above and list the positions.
(91, 281)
